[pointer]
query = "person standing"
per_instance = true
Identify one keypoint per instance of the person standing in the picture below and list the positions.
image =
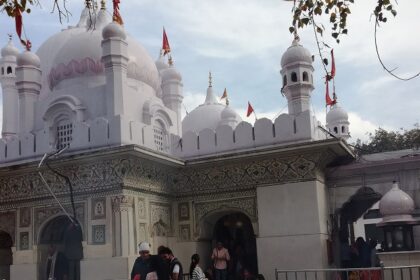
(196, 273)
(142, 265)
(73, 249)
(57, 265)
(175, 266)
(220, 259)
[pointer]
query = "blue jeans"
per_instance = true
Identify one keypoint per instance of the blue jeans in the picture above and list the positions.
(220, 274)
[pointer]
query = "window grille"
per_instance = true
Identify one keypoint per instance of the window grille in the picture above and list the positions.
(64, 134)
(159, 136)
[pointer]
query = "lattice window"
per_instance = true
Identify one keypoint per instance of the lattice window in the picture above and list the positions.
(64, 134)
(159, 136)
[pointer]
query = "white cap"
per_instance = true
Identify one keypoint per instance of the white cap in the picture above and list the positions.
(144, 246)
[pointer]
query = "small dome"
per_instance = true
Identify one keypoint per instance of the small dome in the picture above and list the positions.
(9, 50)
(296, 53)
(337, 115)
(229, 113)
(209, 115)
(113, 30)
(28, 58)
(171, 74)
(396, 205)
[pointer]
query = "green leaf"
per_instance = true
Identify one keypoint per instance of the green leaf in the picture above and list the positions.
(291, 29)
(325, 61)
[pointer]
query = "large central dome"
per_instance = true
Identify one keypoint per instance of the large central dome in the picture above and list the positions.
(77, 52)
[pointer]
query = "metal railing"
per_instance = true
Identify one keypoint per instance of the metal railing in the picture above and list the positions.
(371, 273)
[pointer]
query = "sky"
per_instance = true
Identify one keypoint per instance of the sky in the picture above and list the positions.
(241, 43)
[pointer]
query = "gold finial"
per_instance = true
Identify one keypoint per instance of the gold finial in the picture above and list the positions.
(170, 61)
(103, 5)
(210, 79)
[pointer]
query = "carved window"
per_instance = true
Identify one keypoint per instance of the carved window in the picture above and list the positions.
(305, 77)
(294, 77)
(284, 80)
(160, 136)
(9, 70)
(64, 134)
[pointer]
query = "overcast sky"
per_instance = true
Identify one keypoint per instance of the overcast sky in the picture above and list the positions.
(242, 41)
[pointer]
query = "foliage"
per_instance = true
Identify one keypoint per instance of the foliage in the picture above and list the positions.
(11, 7)
(385, 141)
(305, 11)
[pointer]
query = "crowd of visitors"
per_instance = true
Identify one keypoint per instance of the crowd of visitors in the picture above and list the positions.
(166, 266)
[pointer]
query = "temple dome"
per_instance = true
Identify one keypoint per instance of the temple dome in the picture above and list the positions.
(296, 53)
(208, 115)
(396, 205)
(28, 58)
(337, 115)
(77, 52)
(9, 50)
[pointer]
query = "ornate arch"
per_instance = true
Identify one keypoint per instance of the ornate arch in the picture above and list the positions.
(207, 213)
(65, 106)
(43, 226)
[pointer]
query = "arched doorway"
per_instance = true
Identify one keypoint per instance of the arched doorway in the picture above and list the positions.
(6, 257)
(236, 233)
(67, 238)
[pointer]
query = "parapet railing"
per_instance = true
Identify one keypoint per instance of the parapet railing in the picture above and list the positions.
(371, 273)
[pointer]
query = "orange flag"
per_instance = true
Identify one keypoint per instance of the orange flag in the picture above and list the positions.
(250, 110)
(165, 44)
(116, 15)
(328, 100)
(224, 95)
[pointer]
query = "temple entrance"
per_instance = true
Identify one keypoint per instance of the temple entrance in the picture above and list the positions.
(6, 257)
(66, 239)
(236, 233)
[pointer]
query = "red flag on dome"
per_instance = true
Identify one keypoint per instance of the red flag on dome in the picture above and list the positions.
(250, 110)
(328, 100)
(165, 43)
(116, 16)
(332, 64)
(19, 25)
(224, 95)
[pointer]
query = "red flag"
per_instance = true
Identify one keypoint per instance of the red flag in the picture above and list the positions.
(250, 110)
(332, 64)
(18, 19)
(116, 17)
(224, 95)
(165, 44)
(328, 100)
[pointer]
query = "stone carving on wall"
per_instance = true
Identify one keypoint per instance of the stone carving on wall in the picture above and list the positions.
(8, 223)
(98, 208)
(183, 211)
(24, 241)
(161, 219)
(122, 203)
(247, 205)
(242, 175)
(92, 176)
(142, 208)
(98, 234)
(25, 217)
(142, 232)
(43, 214)
(184, 232)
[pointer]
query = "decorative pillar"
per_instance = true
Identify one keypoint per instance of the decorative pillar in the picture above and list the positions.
(123, 225)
